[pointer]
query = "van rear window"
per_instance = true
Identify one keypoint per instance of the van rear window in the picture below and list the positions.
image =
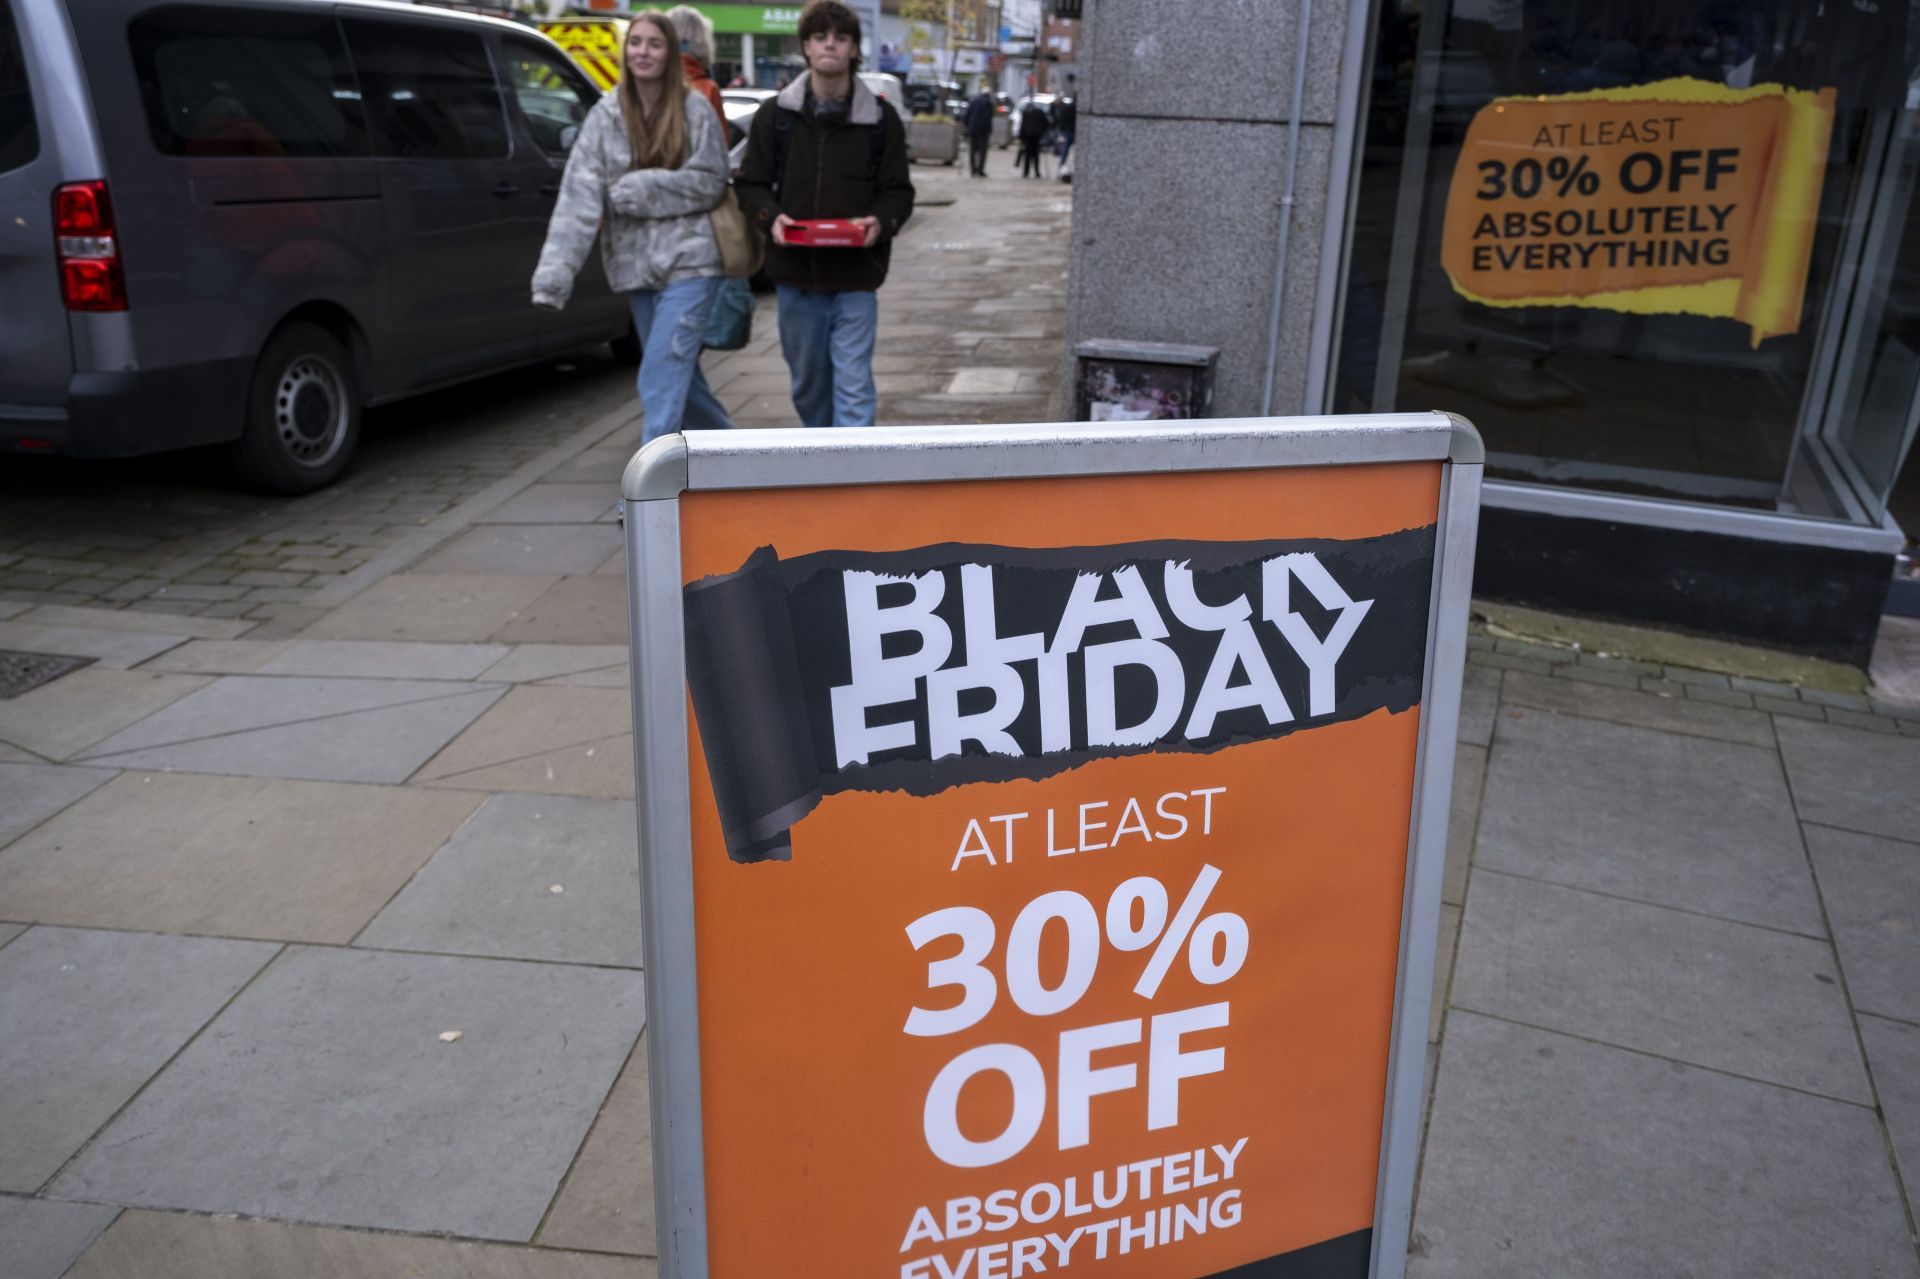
(19, 139)
(239, 82)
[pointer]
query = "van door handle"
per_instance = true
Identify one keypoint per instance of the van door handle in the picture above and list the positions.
(549, 188)
(504, 189)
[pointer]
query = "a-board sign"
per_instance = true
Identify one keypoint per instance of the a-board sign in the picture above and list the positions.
(1041, 834)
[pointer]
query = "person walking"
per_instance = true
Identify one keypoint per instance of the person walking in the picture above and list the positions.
(979, 124)
(1066, 113)
(1034, 123)
(695, 30)
(649, 164)
(827, 147)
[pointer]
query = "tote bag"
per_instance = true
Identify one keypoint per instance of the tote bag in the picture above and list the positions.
(741, 248)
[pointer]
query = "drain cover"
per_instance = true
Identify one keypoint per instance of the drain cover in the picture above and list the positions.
(24, 672)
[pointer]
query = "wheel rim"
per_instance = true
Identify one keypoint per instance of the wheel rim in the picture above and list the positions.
(310, 410)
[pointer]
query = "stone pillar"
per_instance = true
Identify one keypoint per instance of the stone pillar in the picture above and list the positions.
(1179, 164)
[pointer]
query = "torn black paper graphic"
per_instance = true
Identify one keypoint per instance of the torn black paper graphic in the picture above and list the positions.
(925, 669)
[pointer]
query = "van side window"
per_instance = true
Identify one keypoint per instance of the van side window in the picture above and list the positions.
(19, 139)
(549, 94)
(430, 90)
(246, 82)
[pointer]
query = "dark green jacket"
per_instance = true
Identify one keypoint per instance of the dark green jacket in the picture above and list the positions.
(835, 172)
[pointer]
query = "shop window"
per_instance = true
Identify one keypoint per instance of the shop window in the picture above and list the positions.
(1623, 239)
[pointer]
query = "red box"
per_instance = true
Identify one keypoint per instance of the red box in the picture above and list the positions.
(826, 233)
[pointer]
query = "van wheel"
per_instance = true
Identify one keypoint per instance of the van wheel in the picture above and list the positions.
(303, 414)
(626, 347)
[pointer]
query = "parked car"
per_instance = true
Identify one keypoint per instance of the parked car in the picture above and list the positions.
(748, 97)
(267, 215)
(888, 87)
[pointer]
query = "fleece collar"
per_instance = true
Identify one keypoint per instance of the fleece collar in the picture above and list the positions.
(865, 108)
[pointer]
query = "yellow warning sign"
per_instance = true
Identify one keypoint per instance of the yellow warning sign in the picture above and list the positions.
(1681, 197)
(593, 45)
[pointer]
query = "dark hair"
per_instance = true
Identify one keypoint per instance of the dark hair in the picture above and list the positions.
(831, 18)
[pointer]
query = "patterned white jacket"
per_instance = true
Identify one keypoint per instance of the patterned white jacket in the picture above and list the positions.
(653, 224)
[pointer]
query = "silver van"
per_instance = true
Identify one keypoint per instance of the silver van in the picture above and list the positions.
(238, 222)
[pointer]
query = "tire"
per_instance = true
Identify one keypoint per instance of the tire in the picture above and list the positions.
(303, 413)
(626, 347)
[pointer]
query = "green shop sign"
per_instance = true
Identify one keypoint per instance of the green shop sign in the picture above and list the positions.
(752, 19)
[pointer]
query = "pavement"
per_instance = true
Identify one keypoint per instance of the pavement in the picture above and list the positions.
(321, 952)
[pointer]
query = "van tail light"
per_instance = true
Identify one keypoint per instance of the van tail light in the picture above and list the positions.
(90, 275)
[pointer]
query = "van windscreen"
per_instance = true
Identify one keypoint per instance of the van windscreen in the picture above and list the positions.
(19, 138)
(241, 82)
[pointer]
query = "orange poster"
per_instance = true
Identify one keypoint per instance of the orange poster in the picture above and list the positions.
(1049, 840)
(1680, 197)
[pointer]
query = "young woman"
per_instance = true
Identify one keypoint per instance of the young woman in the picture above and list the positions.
(649, 164)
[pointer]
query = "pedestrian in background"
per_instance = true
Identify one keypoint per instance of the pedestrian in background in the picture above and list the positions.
(695, 30)
(979, 125)
(1066, 113)
(1034, 123)
(827, 147)
(648, 166)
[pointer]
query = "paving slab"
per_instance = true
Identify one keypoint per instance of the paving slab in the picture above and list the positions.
(615, 565)
(528, 548)
(1548, 1155)
(227, 856)
(165, 1245)
(452, 607)
(115, 619)
(1479, 700)
(1858, 781)
(1893, 1054)
(1708, 827)
(1463, 819)
(40, 1238)
(218, 657)
(578, 610)
(527, 663)
(346, 730)
(603, 464)
(13, 608)
(31, 793)
(1643, 710)
(569, 741)
(606, 677)
(606, 1204)
(90, 1017)
(10, 931)
(557, 504)
(490, 891)
(58, 720)
(377, 659)
(114, 650)
(1872, 890)
(469, 1137)
(1747, 1000)
(10, 754)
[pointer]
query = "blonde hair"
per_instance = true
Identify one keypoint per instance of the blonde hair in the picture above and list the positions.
(656, 140)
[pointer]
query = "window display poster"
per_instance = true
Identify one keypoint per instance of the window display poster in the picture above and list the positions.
(1049, 841)
(1678, 197)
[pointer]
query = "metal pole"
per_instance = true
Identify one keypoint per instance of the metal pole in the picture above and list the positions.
(1302, 30)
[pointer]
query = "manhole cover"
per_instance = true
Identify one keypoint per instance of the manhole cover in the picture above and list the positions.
(24, 672)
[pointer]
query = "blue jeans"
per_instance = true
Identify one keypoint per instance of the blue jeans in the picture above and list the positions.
(828, 341)
(673, 391)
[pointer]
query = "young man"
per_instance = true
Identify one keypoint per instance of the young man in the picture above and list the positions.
(826, 147)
